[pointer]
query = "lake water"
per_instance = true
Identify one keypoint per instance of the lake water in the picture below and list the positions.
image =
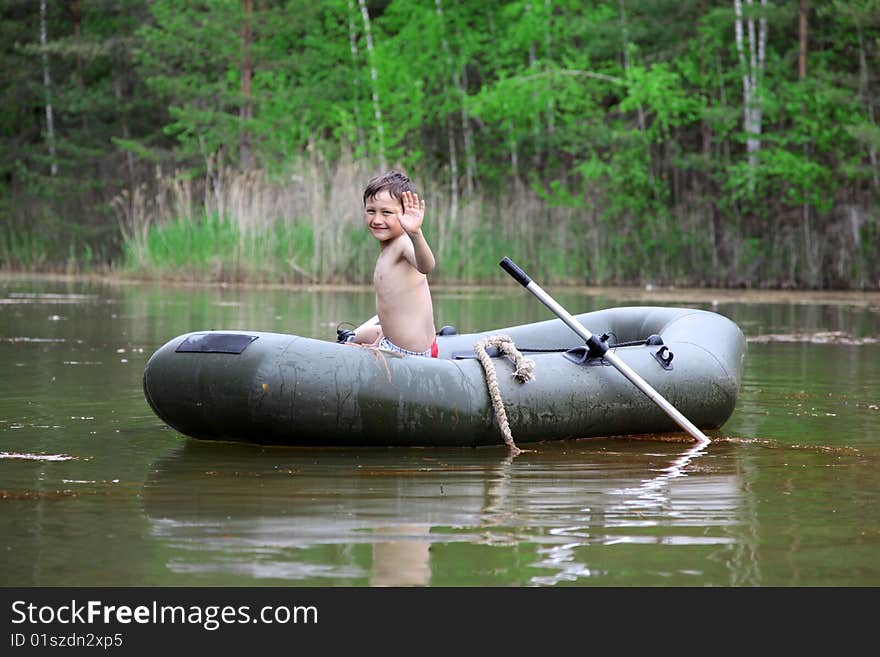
(96, 491)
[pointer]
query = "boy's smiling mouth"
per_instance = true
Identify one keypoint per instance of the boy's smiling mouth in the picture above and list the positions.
(380, 227)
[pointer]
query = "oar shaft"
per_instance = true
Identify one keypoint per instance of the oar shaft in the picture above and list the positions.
(610, 356)
(373, 320)
(656, 397)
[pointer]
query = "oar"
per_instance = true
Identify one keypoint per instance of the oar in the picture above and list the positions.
(373, 320)
(598, 346)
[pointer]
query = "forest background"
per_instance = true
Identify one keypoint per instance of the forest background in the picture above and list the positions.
(679, 142)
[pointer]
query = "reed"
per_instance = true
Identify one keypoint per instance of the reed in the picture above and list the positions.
(23, 250)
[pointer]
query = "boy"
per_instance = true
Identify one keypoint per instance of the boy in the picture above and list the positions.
(394, 216)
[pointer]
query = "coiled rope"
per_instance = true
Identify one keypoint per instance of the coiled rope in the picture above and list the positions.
(523, 370)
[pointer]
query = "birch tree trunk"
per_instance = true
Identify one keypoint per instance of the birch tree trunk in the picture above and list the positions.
(551, 124)
(866, 94)
(47, 86)
(752, 74)
(812, 255)
(356, 79)
(802, 38)
(76, 13)
(123, 122)
(511, 141)
(450, 133)
(374, 77)
(536, 120)
(509, 124)
(626, 62)
(459, 83)
(468, 135)
(247, 72)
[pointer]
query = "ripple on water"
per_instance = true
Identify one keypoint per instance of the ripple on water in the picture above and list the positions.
(19, 339)
(818, 337)
(37, 457)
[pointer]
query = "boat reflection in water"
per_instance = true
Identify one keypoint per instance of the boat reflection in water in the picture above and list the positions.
(583, 511)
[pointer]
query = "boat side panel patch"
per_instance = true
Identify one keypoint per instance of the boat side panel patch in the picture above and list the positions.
(216, 343)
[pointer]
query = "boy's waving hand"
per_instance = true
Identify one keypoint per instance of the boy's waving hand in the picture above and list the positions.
(413, 213)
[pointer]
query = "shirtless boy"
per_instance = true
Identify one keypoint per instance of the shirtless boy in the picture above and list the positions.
(394, 216)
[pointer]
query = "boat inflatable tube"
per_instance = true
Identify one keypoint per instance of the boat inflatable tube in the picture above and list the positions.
(278, 389)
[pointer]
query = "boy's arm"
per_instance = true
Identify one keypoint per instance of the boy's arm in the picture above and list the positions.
(421, 257)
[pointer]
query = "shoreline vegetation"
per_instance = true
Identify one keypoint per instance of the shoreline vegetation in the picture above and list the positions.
(307, 228)
(721, 144)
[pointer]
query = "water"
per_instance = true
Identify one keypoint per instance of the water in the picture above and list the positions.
(95, 490)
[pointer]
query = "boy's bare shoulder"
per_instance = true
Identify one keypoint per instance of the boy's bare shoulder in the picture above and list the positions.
(401, 248)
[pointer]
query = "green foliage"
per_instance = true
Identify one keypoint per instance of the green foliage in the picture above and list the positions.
(659, 92)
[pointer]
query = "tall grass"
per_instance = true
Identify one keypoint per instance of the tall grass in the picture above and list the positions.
(36, 249)
(303, 226)
(49, 232)
(22, 250)
(306, 225)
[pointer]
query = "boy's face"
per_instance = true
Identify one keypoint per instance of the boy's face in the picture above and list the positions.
(382, 211)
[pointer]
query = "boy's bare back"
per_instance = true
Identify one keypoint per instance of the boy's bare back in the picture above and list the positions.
(403, 299)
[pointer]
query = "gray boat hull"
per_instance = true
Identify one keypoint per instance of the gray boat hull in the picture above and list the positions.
(292, 390)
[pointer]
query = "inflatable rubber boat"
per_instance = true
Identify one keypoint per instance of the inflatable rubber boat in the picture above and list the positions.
(271, 388)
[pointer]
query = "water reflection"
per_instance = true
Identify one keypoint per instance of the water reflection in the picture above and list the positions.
(376, 516)
(96, 491)
(654, 492)
(399, 558)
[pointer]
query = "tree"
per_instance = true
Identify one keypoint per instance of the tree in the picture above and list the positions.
(47, 85)
(752, 74)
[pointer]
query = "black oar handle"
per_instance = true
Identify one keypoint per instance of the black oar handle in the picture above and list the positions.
(518, 274)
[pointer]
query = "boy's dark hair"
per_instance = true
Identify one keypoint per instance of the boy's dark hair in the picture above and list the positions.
(394, 181)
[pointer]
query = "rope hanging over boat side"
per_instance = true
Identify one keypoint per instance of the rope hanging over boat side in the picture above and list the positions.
(523, 370)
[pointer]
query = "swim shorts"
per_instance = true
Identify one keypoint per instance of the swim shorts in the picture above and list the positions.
(430, 352)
